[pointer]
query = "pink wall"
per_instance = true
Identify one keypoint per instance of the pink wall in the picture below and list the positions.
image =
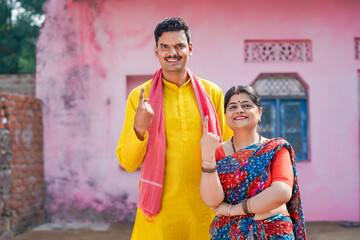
(86, 50)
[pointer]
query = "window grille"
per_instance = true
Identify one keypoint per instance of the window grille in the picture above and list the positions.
(284, 85)
(278, 51)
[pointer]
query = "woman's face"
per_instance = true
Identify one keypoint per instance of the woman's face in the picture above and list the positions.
(241, 112)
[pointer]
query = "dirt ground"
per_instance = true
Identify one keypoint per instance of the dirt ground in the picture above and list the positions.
(122, 231)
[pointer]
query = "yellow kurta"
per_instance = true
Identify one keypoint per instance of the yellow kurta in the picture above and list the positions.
(183, 214)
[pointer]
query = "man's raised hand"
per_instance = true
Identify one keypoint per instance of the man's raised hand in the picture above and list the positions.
(143, 116)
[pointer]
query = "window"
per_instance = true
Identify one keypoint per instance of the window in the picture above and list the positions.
(285, 114)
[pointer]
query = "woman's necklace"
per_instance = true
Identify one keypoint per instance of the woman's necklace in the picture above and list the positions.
(232, 142)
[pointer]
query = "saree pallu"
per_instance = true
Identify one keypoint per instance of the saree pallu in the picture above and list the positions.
(244, 175)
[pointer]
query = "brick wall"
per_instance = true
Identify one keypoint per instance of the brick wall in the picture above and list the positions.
(21, 165)
(23, 84)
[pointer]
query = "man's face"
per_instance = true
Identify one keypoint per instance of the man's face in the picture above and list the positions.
(173, 51)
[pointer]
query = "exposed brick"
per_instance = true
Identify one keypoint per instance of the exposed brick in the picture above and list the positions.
(18, 161)
(12, 118)
(38, 114)
(12, 132)
(14, 111)
(12, 125)
(22, 112)
(18, 190)
(28, 161)
(17, 154)
(15, 205)
(19, 104)
(17, 182)
(8, 104)
(25, 191)
(16, 175)
(15, 97)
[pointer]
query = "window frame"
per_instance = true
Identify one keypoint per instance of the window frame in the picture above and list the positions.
(278, 128)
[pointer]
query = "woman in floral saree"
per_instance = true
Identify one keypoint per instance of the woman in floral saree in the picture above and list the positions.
(250, 181)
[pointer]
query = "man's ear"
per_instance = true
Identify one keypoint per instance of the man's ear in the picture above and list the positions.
(156, 51)
(190, 49)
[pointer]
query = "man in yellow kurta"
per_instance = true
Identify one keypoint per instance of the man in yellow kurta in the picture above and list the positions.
(183, 215)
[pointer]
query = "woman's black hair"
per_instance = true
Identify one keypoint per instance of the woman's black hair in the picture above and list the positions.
(171, 25)
(253, 94)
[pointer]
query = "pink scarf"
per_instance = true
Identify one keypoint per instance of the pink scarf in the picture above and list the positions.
(152, 169)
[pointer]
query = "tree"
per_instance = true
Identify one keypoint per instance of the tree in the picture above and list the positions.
(19, 30)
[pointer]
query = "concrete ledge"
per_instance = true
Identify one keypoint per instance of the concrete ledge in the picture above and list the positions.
(73, 226)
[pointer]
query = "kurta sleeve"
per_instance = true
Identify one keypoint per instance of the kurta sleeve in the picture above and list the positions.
(130, 150)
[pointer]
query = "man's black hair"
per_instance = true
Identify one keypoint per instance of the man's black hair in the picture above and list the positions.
(171, 25)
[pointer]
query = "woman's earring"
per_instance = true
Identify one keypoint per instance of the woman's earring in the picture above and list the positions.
(259, 121)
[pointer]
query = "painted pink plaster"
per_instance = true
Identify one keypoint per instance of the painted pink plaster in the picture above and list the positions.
(87, 49)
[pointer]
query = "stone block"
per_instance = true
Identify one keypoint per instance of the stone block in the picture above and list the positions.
(5, 179)
(2, 204)
(4, 142)
(5, 205)
(5, 235)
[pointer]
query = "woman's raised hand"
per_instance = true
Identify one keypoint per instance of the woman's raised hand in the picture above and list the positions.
(209, 143)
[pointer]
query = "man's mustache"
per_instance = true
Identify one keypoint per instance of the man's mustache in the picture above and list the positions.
(176, 57)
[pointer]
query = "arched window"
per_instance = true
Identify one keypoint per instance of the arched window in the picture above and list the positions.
(285, 111)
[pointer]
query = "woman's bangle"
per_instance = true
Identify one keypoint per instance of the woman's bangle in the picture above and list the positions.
(248, 206)
(245, 206)
(208, 170)
(229, 211)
